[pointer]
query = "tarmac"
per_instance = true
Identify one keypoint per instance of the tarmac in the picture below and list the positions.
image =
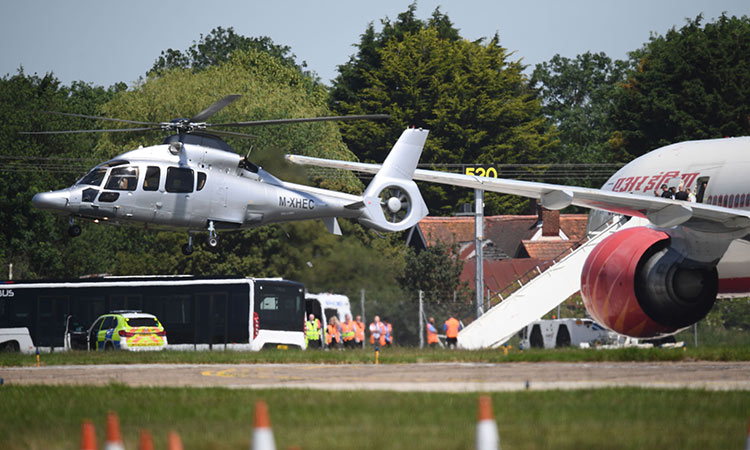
(426, 377)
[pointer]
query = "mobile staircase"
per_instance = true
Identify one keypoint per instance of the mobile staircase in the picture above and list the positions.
(538, 296)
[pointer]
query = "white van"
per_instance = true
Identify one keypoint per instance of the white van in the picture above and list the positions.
(326, 305)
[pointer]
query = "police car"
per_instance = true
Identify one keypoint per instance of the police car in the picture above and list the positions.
(127, 330)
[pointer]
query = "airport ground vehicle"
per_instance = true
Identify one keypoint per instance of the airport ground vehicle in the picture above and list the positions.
(564, 333)
(197, 313)
(123, 330)
(327, 305)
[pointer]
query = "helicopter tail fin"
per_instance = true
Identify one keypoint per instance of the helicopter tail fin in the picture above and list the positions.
(392, 201)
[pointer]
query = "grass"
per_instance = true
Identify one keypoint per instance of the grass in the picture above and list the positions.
(36, 417)
(397, 355)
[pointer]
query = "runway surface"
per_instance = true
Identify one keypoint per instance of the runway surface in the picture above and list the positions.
(438, 377)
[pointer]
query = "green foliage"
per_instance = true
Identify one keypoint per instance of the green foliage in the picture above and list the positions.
(217, 47)
(692, 83)
(577, 96)
(34, 241)
(476, 103)
(435, 271)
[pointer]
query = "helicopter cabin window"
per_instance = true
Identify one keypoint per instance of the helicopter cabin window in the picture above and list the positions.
(201, 180)
(109, 197)
(94, 178)
(179, 180)
(151, 181)
(122, 179)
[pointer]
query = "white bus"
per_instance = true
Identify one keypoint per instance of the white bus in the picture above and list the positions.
(197, 313)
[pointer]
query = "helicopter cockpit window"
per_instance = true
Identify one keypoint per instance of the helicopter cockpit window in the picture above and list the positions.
(122, 179)
(94, 178)
(179, 180)
(151, 181)
(201, 180)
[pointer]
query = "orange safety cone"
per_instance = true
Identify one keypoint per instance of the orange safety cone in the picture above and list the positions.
(487, 436)
(145, 442)
(114, 437)
(173, 441)
(88, 436)
(262, 434)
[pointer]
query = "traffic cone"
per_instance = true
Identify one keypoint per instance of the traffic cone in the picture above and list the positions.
(88, 436)
(114, 437)
(146, 442)
(487, 437)
(262, 434)
(173, 441)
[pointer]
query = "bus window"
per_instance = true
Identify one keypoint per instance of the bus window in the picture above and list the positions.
(279, 307)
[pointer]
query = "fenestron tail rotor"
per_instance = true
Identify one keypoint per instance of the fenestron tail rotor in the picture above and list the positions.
(395, 203)
(197, 122)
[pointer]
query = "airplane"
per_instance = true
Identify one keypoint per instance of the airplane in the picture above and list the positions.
(194, 181)
(655, 280)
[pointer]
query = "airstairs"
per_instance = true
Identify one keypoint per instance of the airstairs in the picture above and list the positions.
(538, 296)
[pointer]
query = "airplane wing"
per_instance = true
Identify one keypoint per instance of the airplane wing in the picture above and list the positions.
(661, 212)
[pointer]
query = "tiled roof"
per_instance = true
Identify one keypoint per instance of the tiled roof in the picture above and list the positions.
(499, 273)
(505, 232)
(546, 249)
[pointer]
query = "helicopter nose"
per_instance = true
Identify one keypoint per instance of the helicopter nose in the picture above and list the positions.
(51, 200)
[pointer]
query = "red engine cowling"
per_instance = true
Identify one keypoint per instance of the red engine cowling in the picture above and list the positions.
(637, 285)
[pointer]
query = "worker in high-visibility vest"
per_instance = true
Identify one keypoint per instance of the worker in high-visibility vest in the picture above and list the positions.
(388, 333)
(377, 332)
(333, 333)
(359, 331)
(312, 332)
(348, 330)
(451, 328)
(432, 333)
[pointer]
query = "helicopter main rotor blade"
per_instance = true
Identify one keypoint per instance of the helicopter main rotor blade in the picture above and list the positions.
(115, 130)
(85, 116)
(256, 123)
(232, 133)
(213, 109)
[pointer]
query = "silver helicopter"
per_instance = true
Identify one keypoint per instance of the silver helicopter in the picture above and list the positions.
(194, 181)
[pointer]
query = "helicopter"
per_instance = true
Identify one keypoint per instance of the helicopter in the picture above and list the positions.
(194, 181)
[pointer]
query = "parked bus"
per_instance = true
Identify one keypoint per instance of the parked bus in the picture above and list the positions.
(197, 313)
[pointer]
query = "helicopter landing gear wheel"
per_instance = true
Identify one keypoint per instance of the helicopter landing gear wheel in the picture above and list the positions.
(213, 239)
(187, 249)
(74, 231)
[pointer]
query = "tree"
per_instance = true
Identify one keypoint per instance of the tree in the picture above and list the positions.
(577, 96)
(692, 83)
(34, 241)
(216, 48)
(476, 103)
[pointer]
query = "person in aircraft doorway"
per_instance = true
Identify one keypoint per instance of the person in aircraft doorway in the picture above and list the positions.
(681, 194)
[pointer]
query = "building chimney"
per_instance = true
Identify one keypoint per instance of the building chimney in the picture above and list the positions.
(550, 223)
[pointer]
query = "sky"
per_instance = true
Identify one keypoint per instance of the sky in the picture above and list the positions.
(104, 42)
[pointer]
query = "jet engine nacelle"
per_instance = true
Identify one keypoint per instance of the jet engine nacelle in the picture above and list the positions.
(636, 284)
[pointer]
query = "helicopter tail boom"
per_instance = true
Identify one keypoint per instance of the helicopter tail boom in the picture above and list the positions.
(392, 201)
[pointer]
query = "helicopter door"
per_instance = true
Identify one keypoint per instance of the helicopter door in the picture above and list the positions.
(150, 200)
(176, 202)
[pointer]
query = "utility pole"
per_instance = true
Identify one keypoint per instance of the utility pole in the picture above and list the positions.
(364, 319)
(421, 319)
(478, 253)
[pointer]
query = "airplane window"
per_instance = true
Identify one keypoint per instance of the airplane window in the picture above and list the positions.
(122, 179)
(151, 181)
(201, 180)
(179, 180)
(94, 178)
